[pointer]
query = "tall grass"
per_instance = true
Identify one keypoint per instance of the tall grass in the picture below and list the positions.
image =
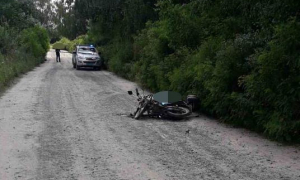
(22, 52)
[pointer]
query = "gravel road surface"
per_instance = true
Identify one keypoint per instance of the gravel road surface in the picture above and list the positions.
(60, 123)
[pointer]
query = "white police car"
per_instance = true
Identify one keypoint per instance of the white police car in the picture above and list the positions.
(86, 56)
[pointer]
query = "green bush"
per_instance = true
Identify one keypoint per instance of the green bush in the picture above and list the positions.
(274, 83)
(35, 41)
(65, 42)
(120, 57)
(22, 52)
(71, 44)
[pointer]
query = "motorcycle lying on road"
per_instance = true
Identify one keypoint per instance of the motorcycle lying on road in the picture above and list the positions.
(165, 104)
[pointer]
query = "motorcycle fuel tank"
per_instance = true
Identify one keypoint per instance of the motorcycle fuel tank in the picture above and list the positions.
(166, 97)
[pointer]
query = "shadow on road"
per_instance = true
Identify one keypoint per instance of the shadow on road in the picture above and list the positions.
(88, 69)
(157, 119)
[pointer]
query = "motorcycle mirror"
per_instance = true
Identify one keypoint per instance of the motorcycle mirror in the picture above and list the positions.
(130, 92)
(137, 92)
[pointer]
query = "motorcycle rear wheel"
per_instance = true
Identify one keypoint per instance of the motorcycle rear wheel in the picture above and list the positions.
(179, 112)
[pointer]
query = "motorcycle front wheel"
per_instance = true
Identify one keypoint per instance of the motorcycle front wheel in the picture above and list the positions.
(178, 112)
(140, 111)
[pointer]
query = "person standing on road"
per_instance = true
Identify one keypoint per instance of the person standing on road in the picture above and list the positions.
(57, 55)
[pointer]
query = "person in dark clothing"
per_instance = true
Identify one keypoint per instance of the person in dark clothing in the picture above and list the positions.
(57, 55)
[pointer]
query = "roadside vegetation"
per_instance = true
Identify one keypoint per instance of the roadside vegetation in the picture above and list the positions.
(23, 43)
(242, 58)
(70, 45)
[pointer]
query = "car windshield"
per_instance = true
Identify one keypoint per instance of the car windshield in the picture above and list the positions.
(86, 50)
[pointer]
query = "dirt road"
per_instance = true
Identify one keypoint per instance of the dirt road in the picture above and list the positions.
(60, 123)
